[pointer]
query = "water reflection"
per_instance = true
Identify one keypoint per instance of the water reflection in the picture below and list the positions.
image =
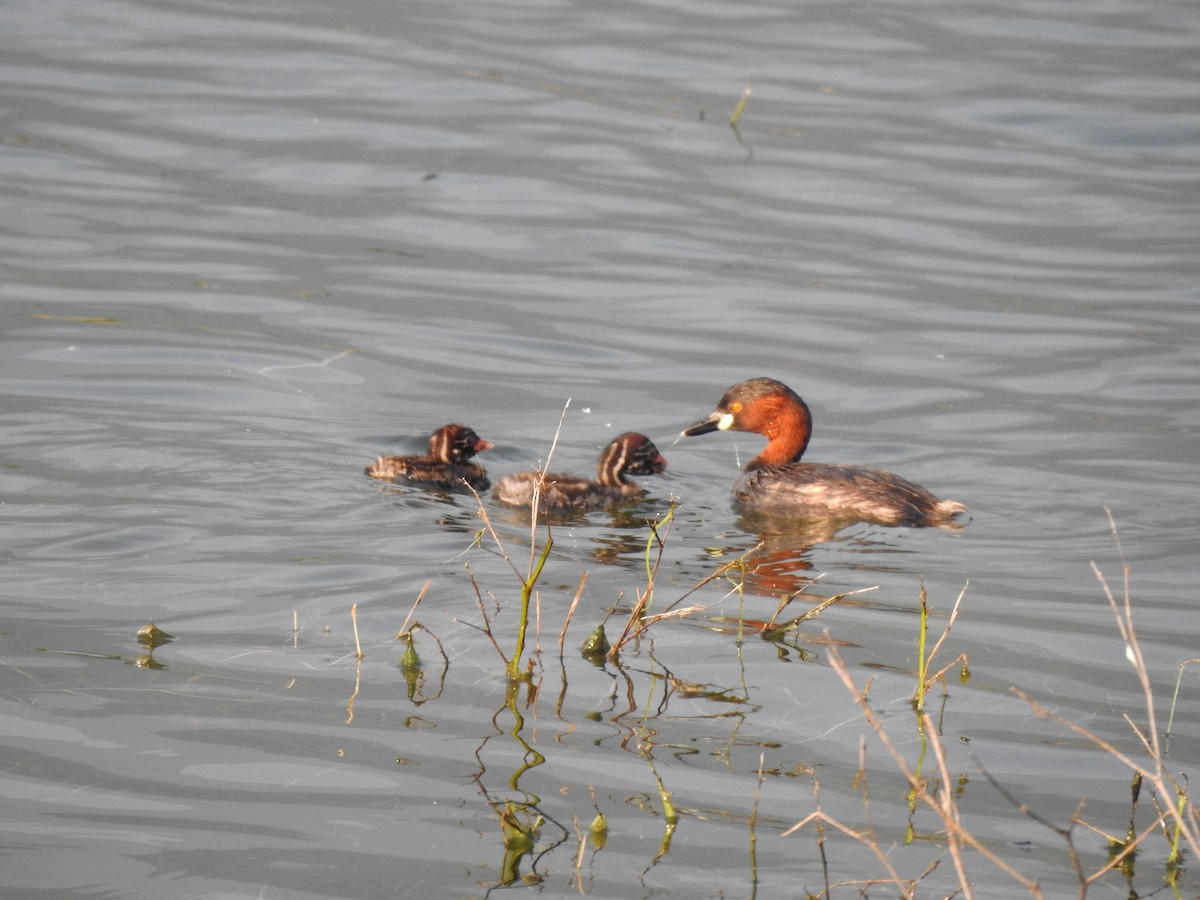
(414, 670)
(780, 562)
(648, 709)
(615, 537)
(522, 818)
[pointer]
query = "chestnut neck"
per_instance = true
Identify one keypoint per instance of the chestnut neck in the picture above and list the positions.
(786, 423)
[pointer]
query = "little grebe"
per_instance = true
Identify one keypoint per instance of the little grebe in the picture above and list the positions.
(776, 483)
(627, 454)
(446, 465)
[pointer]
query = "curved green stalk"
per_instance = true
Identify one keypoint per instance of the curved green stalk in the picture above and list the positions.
(527, 586)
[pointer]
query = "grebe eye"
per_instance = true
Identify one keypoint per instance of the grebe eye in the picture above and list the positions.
(735, 407)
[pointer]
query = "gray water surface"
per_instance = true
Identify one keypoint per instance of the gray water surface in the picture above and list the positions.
(248, 247)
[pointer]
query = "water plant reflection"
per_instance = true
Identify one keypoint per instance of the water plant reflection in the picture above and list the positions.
(521, 818)
(663, 711)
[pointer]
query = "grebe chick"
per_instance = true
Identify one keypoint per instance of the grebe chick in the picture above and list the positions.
(446, 465)
(776, 483)
(627, 454)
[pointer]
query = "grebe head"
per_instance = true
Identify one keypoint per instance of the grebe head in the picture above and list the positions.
(456, 444)
(767, 407)
(629, 454)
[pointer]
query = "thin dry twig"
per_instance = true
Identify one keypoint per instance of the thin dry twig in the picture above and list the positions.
(1182, 813)
(918, 785)
(638, 622)
(417, 626)
(358, 653)
(946, 631)
(1161, 781)
(894, 877)
(720, 572)
(412, 611)
(948, 809)
(562, 635)
(537, 491)
(487, 622)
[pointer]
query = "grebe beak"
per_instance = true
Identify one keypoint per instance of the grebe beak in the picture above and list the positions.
(705, 426)
(481, 445)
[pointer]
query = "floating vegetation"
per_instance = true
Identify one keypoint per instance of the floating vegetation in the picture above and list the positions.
(650, 694)
(596, 647)
(151, 636)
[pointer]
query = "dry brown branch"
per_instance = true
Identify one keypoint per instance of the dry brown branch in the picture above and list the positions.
(918, 786)
(633, 626)
(562, 635)
(1182, 813)
(948, 809)
(894, 877)
(720, 572)
(421, 596)
(417, 626)
(487, 623)
(1161, 781)
(358, 654)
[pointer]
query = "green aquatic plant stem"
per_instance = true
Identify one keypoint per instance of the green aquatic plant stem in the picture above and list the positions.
(922, 633)
(736, 116)
(1175, 859)
(527, 589)
(638, 620)
(762, 774)
(529, 581)
(925, 659)
(536, 562)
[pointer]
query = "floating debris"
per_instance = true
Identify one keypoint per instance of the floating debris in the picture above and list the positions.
(151, 636)
(595, 648)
